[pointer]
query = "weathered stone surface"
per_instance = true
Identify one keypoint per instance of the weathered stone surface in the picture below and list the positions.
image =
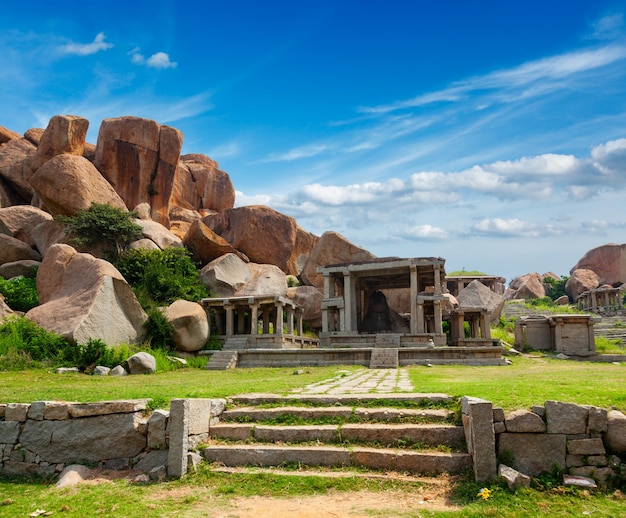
(16, 411)
(533, 453)
(142, 363)
(525, 422)
(118, 370)
(139, 158)
(607, 261)
(5, 310)
(529, 286)
(309, 298)
(480, 436)
(225, 275)
(157, 426)
(64, 134)
(265, 279)
(144, 244)
(477, 295)
(9, 432)
(12, 250)
(47, 234)
(82, 297)
(20, 220)
(151, 460)
(581, 280)
(88, 439)
(101, 370)
(16, 158)
(563, 300)
(190, 326)
(56, 410)
(205, 245)
(7, 134)
(201, 184)
(73, 475)
(159, 234)
(593, 446)
(513, 478)
(615, 436)
(121, 406)
(33, 135)
(67, 184)
(143, 211)
(178, 428)
(331, 248)
(598, 420)
(264, 235)
(24, 268)
(566, 418)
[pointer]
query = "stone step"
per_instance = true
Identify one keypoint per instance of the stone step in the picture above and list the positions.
(255, 414)
(370, 458)
(384, 358)
(425, 399)
(223, 360)
(429, 435)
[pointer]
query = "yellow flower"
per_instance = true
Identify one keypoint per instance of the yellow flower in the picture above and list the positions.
(484, 493)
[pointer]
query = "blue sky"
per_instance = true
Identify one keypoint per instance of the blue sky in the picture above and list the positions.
(490, 133)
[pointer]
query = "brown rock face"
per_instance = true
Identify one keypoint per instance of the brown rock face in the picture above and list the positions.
(331, 248)
(607, 261)
(139, 158)
(581, 280)
(69, 183)
(64, 134)
(264, 235)
(529, 286)
(16, 157)
(6, 135)
(476, 294)
(20, 220)
(205, 245)
(201, 185)
(12, 249)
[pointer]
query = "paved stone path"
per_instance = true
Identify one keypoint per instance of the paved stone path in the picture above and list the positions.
(383, 381)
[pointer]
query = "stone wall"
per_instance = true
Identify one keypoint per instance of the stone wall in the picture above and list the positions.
(43, 437)
(579, 440)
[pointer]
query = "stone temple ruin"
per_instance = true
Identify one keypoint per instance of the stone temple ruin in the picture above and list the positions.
(380, 313)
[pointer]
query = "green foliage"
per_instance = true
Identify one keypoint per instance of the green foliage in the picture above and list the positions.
(158, 328)
(110, 227)
(555, 288)
(21, 338)
(20, 293)
(606, 345)
(159, 277)
(473, 273)
(95, 352)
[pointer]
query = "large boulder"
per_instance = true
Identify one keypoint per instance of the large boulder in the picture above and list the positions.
(83, 297)
(16, 158)
(142, 363)
(225, 275)
(309, 298)
(64, 134)
(477, 295)
(189, 323)
(139, 158)
(205, 245)
(12, 249)
(264, 236)
(67, 184)
(580, 281)
(20, 220)
(159, 234)
(47, 234)
(201, 185)
(607, 261)
(529, 286)
(265, 279)
(7, 134)
(24, 268)
(331, 248)
(615, 436)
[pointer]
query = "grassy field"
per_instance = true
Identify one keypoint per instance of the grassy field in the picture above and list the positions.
(529, 381)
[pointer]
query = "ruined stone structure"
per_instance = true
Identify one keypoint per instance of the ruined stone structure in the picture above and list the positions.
(256, 322)
(605, 300)
(456, 283)
(568, 334)
(479, 329)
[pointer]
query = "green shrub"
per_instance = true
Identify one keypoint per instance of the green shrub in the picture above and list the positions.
(555, 288)
(23, 336)
(92, 354)
(110, 227)
(20, 293)
(158, 329)
(159, 277)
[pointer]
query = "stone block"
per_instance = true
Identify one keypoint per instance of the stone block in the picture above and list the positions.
(157, 426)
(372, 458)
(598, 420)
(539, 410)
(615, 436)
(232, 431)
(178, 428)
(151, 460)
(586, 447)
(533, 453)
(36, 410)
(9, 432)
(3, 408)
(119, 464)
(56, 411)
(323, 433)
(566, 418)
(16, 412)
(602, 475)
(199, 416)
(498, 415)
(158, 473)
(107, 407)
(481, 437)
(499, 427)
(20, 469)
(523, 421)
(513, 478)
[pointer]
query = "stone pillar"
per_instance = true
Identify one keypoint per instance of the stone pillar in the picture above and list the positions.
(420, 317)
(594, 302)
(230, 321)
(299, 313)
(477, 417)
(289, 320)
(254, 319)
(558, 335)
(438, 315)
(438, 284)
(414, 291)
(241, 321)
(278, 326)
(484, 325)
(178, 428)
(266, 320)
(327, 294)
(348, 302)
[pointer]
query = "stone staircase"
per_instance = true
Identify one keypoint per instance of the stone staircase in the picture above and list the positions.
(394, 432)
(222, 360)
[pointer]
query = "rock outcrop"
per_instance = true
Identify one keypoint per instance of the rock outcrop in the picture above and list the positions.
(16, 158)
(205, 245)
(529, 286)
(190, 325)
(83, 297)
(20, 220)
(309, 298)
(477, 295)
(64, 134)
(225, 275)
(12, 249)
(202, 185)
(581, 280)
(607, 261)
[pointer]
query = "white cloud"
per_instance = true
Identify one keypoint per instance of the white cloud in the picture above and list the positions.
(84, 49)
(425, 232)
(506, 228)
(158, 60)
(297, 153)
(609, 27)
(611, 157)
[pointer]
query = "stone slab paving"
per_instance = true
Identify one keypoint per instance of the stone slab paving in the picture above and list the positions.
(374, 381)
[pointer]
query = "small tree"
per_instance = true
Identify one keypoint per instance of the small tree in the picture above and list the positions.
(555, 288)
(110, 227)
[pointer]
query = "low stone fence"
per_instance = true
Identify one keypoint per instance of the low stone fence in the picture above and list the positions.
(577, 439)
(43, 437)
